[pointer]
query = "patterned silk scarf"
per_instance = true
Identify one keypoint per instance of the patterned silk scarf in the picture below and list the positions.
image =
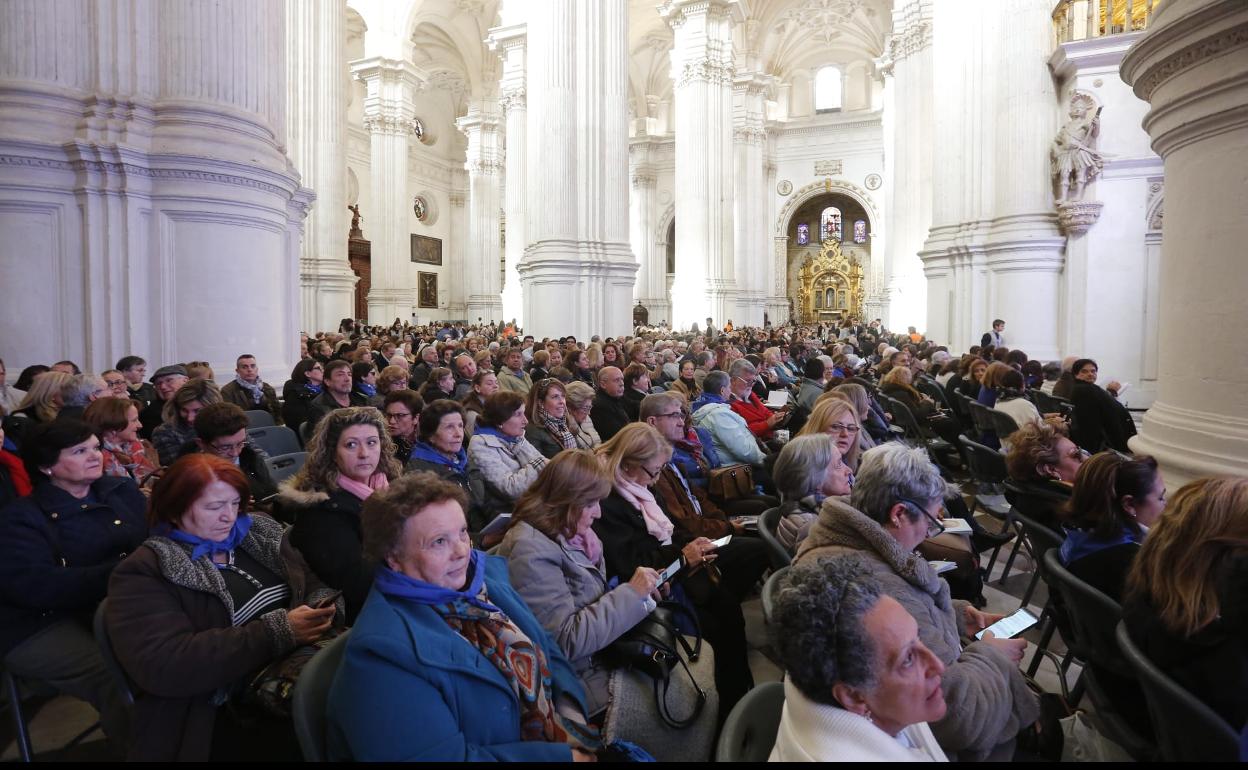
(127, 459)
(557, 427)
(523, 664)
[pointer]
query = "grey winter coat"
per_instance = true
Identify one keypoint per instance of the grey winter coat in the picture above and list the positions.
(988, 699)
(508, 468)
(568, 595)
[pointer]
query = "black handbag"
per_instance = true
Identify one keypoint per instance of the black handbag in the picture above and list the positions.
(653, 647)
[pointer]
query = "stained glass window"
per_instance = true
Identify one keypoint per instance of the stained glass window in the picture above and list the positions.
(803, 234)
(830, 224)
(860, 231)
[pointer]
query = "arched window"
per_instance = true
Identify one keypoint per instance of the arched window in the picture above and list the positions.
(830, 224)
(803, 234)
(827, 89)
(860, 231)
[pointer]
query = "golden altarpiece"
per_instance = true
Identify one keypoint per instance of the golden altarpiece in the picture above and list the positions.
(830, 287)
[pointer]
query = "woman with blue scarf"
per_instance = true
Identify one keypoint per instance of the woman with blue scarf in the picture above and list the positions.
(211, 599)
(440, 450)
(446, 663)
(303, 386)
(1115, 502)
(506, 459)
(364, 383)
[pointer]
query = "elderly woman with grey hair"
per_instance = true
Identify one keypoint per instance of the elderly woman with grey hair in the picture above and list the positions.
(860, 684)
(895, 505)
(808, 471)
(79, 391)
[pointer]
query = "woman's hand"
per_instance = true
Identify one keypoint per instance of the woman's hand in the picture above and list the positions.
(1013, 648)
(644, 581)
(976, 621)
(698, 552)
(308, 624)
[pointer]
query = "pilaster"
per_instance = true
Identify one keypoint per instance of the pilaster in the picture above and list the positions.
(510, 43)
(484, 166)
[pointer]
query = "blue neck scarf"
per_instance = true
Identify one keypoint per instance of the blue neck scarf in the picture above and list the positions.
(313, 389)
(1080, 543)
(425, 451)
(366, 389)
(202, 547)
(397, 585)
(707, 398)
(487, 430)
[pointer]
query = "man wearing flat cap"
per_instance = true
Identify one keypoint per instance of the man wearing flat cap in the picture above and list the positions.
(167, 380)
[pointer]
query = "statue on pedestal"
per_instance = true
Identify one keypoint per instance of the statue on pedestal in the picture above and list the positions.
(356, 232)
(1074, 158)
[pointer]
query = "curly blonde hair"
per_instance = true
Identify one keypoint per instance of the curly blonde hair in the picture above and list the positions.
(828, 409)
(320, 473)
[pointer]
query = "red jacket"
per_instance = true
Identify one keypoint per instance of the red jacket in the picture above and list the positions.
(755, 413)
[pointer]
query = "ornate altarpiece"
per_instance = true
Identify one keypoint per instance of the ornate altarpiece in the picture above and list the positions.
(830, 285)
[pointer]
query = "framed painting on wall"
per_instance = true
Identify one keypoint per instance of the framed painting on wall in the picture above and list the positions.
(426, 250)
(427, 289)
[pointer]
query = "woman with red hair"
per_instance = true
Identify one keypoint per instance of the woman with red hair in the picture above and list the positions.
(215, 596)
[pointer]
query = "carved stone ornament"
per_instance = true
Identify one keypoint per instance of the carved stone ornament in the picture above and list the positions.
(709, 71)
(1074, 158)
(421, 208)
(785, 187)
(1077, 217)
(828, 167)
(873, 181)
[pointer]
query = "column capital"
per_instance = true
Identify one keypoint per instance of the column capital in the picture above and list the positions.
(392, 84)
(752, 83)
(502, 40)
(677, 12)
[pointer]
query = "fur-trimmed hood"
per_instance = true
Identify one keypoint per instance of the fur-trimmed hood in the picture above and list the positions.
(288, 494)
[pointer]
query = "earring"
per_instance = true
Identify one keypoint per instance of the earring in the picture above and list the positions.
(870, 717)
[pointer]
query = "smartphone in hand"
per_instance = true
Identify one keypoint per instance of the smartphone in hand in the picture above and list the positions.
(328, 601)
(1010, 626)
(723, 541)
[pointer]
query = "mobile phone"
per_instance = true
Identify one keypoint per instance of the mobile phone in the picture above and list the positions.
(723, 541)
(669, 573)
(327, 601)
(1010, 626)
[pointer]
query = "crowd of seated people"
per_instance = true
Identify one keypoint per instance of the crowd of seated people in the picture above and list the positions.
(608, 456)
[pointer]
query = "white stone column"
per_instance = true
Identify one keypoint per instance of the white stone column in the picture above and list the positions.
(909, 120)
(775, 261)
(1024, 249)
(1192, 68)
(147, 202)
(510, 43)
(702, 74)
(484, 165)
(750, 197)
(578, 272)
(457, 292)
(316, 129)
(389, 116)
(651, 288)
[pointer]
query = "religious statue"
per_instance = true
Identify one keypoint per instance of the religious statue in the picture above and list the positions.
(420, 208)
(1074, 157)
(355, 221)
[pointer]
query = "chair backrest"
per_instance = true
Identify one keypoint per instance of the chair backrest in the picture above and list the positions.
(1043, 539)
(275, 439)
(1187, 730)
(1048, 403)
(259, 418)
(930, 387)
(306, 429)
(284, 466)
(985, 464)
(106, 651)
(1003, 424)
(749, 732)
(1092, 617)
(768, 526)
(310, 699)
(1035, 502)
(981, 416)
(903, 416)
(768, 596)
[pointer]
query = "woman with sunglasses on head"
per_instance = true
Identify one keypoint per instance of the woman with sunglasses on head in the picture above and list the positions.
(895, 505)
(551, 430)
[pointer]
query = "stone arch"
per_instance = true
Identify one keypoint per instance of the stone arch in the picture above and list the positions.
(815, 189)
(665, 223)
(1156, 211)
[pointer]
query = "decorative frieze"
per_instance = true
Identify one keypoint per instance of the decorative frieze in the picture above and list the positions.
(1077, 217)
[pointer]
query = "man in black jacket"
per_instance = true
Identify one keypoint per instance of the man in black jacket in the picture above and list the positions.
(609, 413)
(167, 380)
(337, 393)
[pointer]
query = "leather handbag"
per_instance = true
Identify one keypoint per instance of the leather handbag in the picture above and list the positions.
(731, 482)
(653, 647)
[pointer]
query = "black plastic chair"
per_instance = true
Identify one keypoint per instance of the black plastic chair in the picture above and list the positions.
(284, 466)
(937, 448)
(275, 439)
(311, 698)
(768, 595)
(981, 418)
(1049, 404)
(931, 388)
(768, 526)
(1038, 540)
(1087, 619)
(1187, 729)
(749, 732)
(1033, 502)
(306, 429)
(259, 418)
(1002, 424)
(987, 469)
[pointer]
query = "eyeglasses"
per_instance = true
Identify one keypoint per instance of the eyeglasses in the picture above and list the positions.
(397, 415)
(114, 383)
(934, 526)
(228, 449)
(837, 427)
(681, 415)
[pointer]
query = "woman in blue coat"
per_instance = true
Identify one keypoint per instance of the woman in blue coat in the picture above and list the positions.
(445, 662)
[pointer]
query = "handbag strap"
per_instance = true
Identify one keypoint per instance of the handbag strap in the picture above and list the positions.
(675, 607)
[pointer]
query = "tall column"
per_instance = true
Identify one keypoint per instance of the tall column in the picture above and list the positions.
(457, 292)
(389, 116)
(316, 126)
(1192, 68)
(1025, 251)
(908, 118)
(750, 196)
(578, 271)
(146, 198)
(775, 263)
(484, 168)
(651, 288)
(510, 42)
(702, 74)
